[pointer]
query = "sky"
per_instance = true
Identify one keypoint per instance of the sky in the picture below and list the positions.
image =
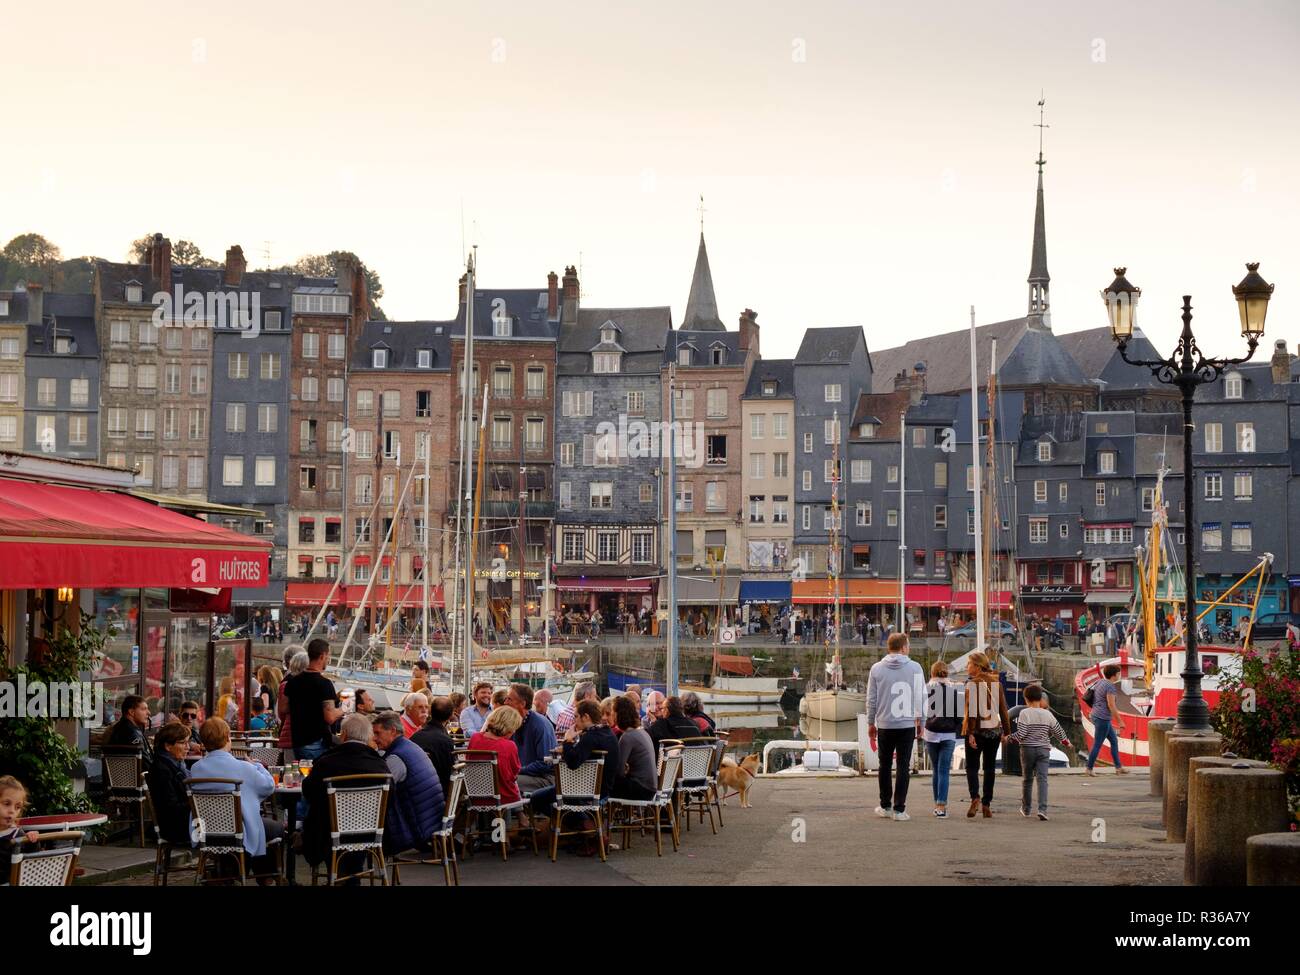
(860, 162)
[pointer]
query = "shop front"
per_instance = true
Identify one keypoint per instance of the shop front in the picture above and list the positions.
(1000, 604)
(926, 602)
(763, 602)
(1054, 602)
(704, 602)
(862, 602)
(615, 600)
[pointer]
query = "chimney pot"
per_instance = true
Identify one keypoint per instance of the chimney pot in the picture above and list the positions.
(1281, 362)
(235, 266)
(570, 295)
(552, 296)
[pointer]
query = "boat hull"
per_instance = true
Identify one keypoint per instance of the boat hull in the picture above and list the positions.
(833, 705)
(737, 690)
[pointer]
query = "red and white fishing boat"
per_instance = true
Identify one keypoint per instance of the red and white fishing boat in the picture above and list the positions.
(1151, 684)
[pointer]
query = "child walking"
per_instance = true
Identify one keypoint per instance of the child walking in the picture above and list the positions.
(1034, 725)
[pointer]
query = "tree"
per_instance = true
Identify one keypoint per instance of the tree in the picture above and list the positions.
(30, 257)
(184, 253)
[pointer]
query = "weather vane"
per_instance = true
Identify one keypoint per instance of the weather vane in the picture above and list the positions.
(1042, 100)
(702, 214)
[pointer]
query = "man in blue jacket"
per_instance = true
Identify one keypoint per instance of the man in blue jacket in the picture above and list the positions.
(535, 739)
(416, 804)
(895, 708)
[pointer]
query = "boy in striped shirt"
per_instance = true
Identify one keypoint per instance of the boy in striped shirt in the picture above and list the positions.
(1034, 725)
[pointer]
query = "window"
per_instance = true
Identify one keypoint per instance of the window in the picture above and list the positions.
(716, 449)
(1148, 499)
(364, 442)
(391, 400)
(502, 427)
(891, 474)
(830, 472)
(1099, 494)
(1211, 537)
(268, 417)
(830, 521)
(1106, 462)
(535, 382)
(716, 402)
(1232, 386)
(307, 436)
(264, 472)
(715, 496)
(684, 356)
(310, 389)
(269, 365)
(1214, 438)
(237, 365)
(115, 458)
(8, 347)
(646, 492)
(144, 424)
(1037, 530)
(769, 387)
(311, 345)
(306, 477)
(780, 426)
(1243, 486)
(365, 402)
(144, 468)
(940, 516)
(1044, 451)
(45, 434)
(9, 387)
(503, 382)
(566, 454)
(918, 437)
(172, 377)
(970, 521)
(806, 518)
(148, 333)
(781, 465)
(970, 478)
(198, 340)
(388, 489)
(1245, 438)
(643, 546)
(47, 390)
(1040, 490)
(232, 471)
(119, 333)
(1213, 487)
(78, 430)
(756, 466)
(365, 488)
(336, 345)
(891, 518)
(501, 321)
(1241, 540)
(195, 469)
(941, 474)
(8, 429)
(867, 430)
(573, 546)
(171, 470)
(361, 533)
(806, 481)
(757, 502)
(392, 444)
(379, 358)
(235, 417)
(685, 496)
(832, 391)
(1063, 492)
(576, 403)
(119, 375)
(807, 443)
(334, 389)
(198, 379)
(756, 423)
(862, 514)
(197, 425)
(601, 494)
(1064, 528)
(117, 422)
(781, 510)
(605, 363)
(830, 431)
(1117, 535)
(534, 433)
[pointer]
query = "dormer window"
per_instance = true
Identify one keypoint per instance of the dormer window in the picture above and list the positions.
(718, 356)
(605, 362)
(64, 345)
(1044, 451)
(424, 359)
(684, 356)
(134, 291)
(501, 323)
(379, 358)
(4, 307)
(769, 388)
(607, 334)
(867, 430)
(1232, 386)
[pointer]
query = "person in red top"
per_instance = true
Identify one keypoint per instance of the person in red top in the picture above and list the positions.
(415, 713)
(497, 736)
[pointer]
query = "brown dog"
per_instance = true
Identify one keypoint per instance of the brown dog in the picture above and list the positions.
(737, 778)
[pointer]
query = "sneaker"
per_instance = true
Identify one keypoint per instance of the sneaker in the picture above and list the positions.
(884, 813)
(1091, 772)
(1043, 816)
(1121, 770)
(940, 812)
(1024, 812)
(901, 817)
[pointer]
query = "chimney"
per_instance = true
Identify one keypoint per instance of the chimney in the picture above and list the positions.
(160, 262)
(552, 296)
(912, 383)
(1281, 363)
(570, 295)
(464, 282)
(345, 271)
(235, 266)
(35, 303)
(749, 331)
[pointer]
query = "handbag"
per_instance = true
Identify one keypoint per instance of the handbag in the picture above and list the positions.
(1090, 697)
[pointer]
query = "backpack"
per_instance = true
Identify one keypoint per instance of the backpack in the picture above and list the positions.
(1090, 697)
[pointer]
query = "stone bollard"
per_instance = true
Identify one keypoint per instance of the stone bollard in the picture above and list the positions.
(1178, 751)
(1195, 763)
(1157, 734)
(1234, 804)
(1273, 860)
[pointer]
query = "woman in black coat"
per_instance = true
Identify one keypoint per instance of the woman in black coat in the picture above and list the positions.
(167, 778)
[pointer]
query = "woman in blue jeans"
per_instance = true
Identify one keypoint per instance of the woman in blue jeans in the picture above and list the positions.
(1104, 714)
(941, 726)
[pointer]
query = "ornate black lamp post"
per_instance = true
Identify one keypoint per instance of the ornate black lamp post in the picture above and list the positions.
(1188, 368)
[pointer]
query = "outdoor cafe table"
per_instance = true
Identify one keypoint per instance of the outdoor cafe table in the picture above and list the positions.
(288, 796)
(60, 822)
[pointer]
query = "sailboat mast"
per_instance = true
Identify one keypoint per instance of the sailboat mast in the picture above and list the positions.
(981, 618)
(465, 612)
(833, 556)
(902, 520)
(671, 664)
(991, 517)
(428, 564)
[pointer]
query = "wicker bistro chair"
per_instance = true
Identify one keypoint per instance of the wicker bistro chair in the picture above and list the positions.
(217, 826)
(719, 746)
(643, 813)
(162, 864)
(358, 810)
(577, 792)
(441, 840)
(482, 778)
(268, 755)
(51, 864)
(123, 771)
(698, 786)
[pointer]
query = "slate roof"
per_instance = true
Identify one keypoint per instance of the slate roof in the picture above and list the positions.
(767, 370)
(525, 306)
(643, 335)
(702, 303)
(1095, 353)
(833, 344)
(702, 341)
(404, 340)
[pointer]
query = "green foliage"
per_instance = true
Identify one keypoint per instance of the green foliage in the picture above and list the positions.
(326, 266)
(1258, 712)
(32, 749)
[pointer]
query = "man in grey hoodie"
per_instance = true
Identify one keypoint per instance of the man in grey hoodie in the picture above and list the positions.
(895, 708)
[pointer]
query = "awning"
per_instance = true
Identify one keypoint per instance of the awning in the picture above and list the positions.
(313, 594)
(859, 592)
(704, 590)
(928, 594)
(764, 591)
(965, 599)
(54, 535)
(405, 596)
(1108, 597)
(598, 584)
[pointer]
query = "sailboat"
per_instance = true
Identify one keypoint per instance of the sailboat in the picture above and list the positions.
(834, 702)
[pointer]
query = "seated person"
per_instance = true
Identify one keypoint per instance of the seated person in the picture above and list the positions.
(637, 774)
(437, 744)
(416, 802)
(219, 763)
(130, 729)
(535, 738)
(352, 756)
(13, 797)
(259, 720)
(498, 736)
(671, 722)
(189, 715)
(167, 778)
(415, 712)
(694, 710)
(588, 735)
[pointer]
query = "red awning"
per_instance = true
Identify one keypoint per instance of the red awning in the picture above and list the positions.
(313, 594)
(928, 594)
(965, 599)
(54, 535)
(595, 584)
(404, 596)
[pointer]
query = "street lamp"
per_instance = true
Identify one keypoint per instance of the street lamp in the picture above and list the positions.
(1188, 368)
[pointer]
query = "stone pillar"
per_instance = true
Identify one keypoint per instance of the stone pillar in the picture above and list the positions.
(1273, 860)
(1178, 751)
(1234, 804)
(1199, 762)
(1157, 734)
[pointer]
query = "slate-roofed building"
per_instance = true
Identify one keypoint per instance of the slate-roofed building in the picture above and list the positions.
(611, 460)
(62, 379)
(767, 485)
(17, 310)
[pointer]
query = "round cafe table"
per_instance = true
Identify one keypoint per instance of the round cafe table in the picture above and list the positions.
(59, 822)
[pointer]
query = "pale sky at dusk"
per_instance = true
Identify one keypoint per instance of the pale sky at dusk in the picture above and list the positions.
(861, 163)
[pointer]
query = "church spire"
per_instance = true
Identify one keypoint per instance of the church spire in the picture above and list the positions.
(1039, 304)
(702, 305)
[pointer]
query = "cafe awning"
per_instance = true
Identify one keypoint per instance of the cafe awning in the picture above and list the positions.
(928, 594)
(603, 584)
(54, 535)
(855, 592)
(405, 596)
(965, 599)
(313, 594)
(764, 591)
(705, 590)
